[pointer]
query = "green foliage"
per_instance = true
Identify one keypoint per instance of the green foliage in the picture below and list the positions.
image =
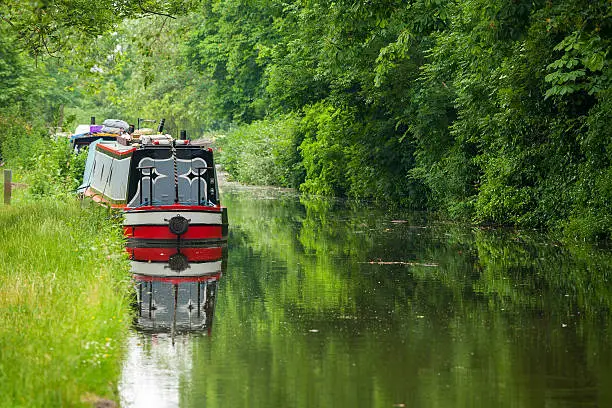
(227, 45)
(48, 165)
(18, 140)
(263, 152)
(326, 132)
(514, 148)
(584, 64)
(494, 112)
(58, 170)
(46, 27)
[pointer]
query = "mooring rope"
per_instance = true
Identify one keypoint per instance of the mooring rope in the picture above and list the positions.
(176, 191)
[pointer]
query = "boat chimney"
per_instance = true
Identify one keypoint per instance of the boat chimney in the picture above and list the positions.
(161, 125)
(183, 135)
(92, 120)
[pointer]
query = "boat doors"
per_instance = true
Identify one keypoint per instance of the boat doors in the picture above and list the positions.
(162, 175)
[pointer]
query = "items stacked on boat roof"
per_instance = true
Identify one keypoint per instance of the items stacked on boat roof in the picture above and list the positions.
(108, 130)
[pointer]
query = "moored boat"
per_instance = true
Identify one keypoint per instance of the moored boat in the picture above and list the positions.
(166, 188)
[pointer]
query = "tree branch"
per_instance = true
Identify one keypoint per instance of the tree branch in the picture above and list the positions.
(8, 21)
(158, 13)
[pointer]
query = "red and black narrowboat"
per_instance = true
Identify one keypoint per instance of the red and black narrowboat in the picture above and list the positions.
(166, 188)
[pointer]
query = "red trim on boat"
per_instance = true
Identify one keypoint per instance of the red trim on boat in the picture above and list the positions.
(177, 281)
(118, 152)
(164, 254)
(174, 207)
(163, 232)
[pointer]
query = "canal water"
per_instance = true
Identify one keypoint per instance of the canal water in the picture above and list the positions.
(327, 304)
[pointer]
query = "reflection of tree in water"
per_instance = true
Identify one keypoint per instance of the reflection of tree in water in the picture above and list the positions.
(324, 295)
(342, 245)
(356, 267)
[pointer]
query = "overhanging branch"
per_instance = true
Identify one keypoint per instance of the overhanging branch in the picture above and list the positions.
(158, 13)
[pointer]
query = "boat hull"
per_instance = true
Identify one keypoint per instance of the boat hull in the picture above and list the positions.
(169, 223)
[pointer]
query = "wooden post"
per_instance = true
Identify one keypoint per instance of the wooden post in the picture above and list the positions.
(8, 177)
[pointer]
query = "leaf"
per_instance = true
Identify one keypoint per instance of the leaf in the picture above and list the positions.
(595, 61)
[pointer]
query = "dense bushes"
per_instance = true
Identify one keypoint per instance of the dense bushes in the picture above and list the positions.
(47, 165)
(493, 112)
(263, 153)
(497, 112)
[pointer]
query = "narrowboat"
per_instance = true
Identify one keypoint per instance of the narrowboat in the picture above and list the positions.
(166, 188)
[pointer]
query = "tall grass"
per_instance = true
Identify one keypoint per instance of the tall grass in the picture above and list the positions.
(64, 307)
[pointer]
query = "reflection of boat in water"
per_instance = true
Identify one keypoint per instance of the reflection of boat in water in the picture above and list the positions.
(176, 305)
(176, 262)
(176, 287)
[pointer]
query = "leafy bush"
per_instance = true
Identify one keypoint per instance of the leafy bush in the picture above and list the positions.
(58, 170)
(48, 166)
(19, 141)
(263, 153)
(325, 132)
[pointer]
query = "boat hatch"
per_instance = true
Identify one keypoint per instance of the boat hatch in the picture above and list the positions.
(167, 175)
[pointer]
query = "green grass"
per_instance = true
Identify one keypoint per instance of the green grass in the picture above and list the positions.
(64, 304)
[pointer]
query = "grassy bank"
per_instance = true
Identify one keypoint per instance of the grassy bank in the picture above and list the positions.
(64, 306)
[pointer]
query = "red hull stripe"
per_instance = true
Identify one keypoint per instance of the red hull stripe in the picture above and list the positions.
(164, 254)
(175, 207)
(163, 232)
(177, 281)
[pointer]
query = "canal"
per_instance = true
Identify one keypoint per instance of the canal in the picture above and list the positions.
(327, 304)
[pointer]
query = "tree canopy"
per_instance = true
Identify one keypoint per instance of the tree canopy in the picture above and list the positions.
(497, 112)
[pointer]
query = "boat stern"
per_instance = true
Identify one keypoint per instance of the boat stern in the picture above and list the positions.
(176, 222)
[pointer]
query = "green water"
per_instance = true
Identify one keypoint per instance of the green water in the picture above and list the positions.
(331, 305)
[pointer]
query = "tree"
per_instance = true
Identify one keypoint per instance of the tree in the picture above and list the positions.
(47, 27)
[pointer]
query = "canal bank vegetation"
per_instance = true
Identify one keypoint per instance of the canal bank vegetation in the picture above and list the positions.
(64, 281)
(64, 311)
(495, 113)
